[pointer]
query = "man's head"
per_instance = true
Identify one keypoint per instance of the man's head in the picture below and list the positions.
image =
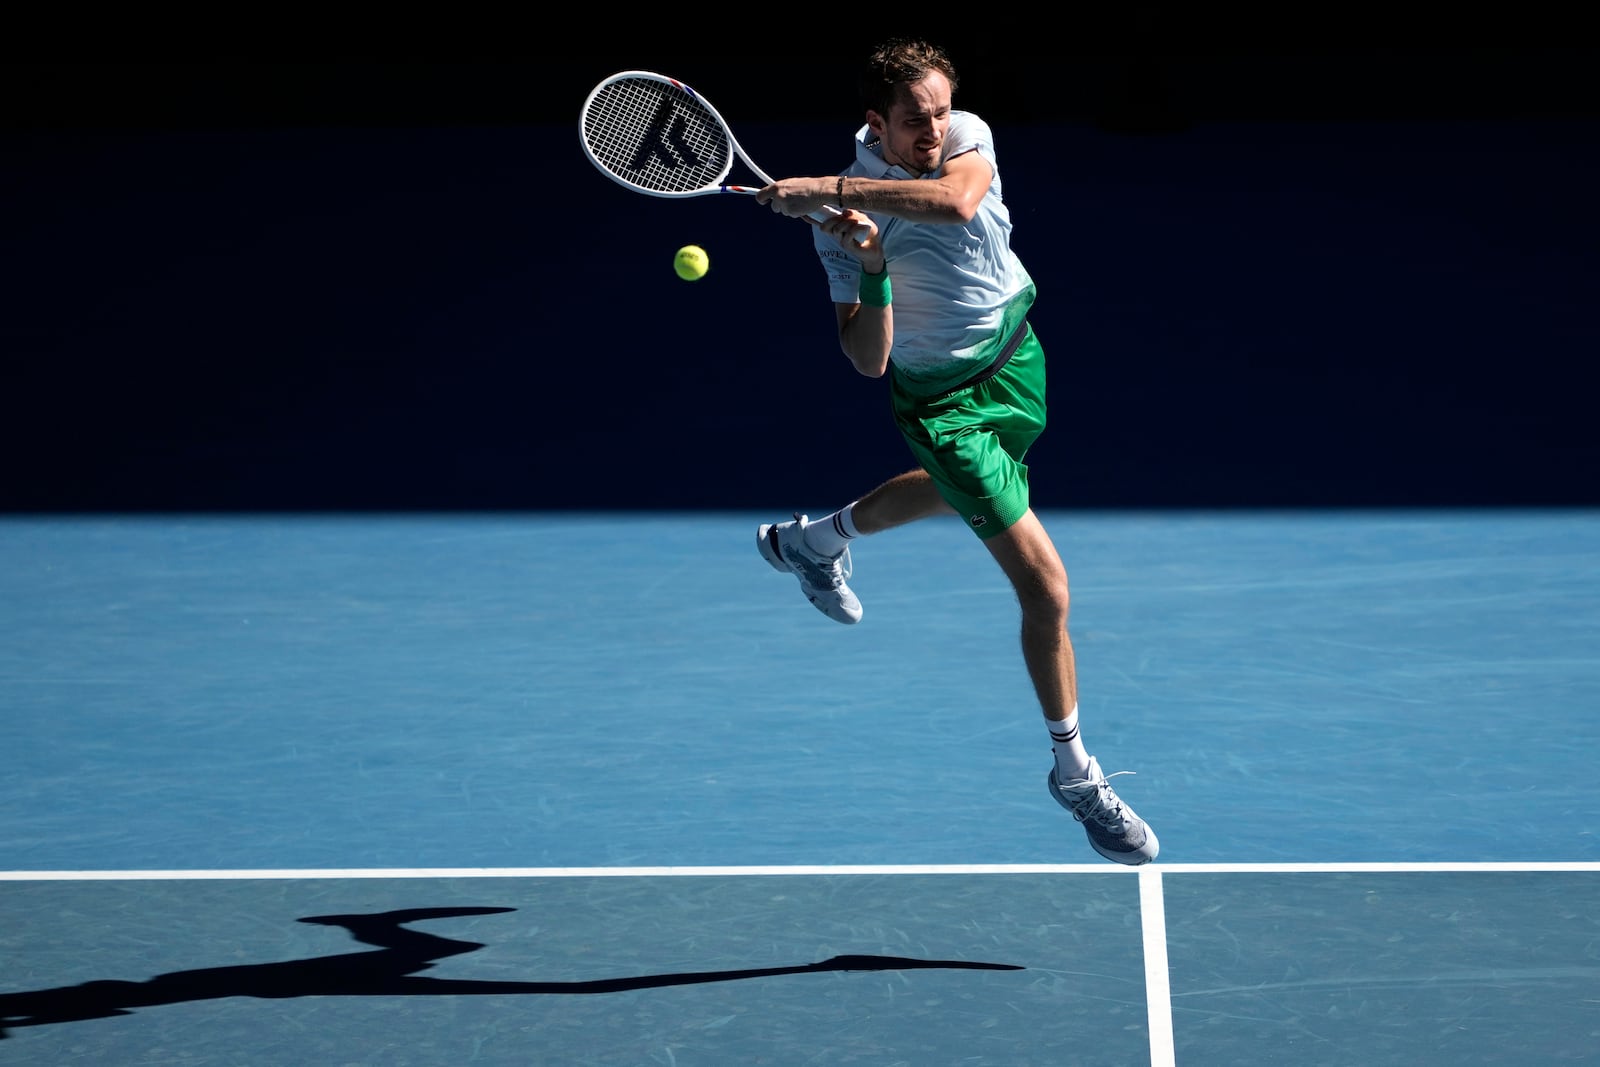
(907, 87)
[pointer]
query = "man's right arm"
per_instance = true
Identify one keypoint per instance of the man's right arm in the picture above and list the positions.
(866, 327)
(866, 334)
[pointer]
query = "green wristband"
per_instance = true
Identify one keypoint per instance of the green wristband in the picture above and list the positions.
(874, 289)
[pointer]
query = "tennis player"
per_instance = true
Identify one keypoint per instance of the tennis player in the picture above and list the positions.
(936, 299)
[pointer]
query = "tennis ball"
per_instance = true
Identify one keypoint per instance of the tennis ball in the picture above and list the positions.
(691, 263)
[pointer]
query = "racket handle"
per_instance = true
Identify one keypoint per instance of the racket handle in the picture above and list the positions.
(828, 211)
(859, 234)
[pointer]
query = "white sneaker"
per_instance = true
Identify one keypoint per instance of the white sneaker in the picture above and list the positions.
(783, 545)
(1114, 830)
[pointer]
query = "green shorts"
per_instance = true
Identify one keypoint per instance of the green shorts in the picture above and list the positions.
(972, 440)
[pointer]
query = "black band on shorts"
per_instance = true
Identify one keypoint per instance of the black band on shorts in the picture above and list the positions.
(1013, 343)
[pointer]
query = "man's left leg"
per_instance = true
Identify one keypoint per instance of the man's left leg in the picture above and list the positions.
(1031, 563)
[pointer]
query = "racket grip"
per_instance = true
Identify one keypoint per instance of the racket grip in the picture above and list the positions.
(859, 234)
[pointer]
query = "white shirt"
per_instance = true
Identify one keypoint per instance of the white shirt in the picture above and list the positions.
(952, 283)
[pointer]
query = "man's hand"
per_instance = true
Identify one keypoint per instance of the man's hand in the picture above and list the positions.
(856, 234)
(798, 197)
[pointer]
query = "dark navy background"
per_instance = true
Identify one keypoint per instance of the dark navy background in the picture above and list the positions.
(1273, 271)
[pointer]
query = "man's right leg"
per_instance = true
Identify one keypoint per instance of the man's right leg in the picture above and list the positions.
(904, 498)
(818, 553)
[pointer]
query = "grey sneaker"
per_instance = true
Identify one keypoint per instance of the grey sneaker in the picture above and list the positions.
(783, 545)
(1114, 830)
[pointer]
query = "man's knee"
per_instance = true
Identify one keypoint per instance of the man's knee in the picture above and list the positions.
(1044, 596)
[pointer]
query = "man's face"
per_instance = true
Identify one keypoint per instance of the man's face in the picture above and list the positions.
(913, 131)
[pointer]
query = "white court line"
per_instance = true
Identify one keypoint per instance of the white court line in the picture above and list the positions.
(1157, 980)
(676, 872)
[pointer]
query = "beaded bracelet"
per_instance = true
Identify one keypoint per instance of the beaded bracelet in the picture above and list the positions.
(841, 192)
(874, 289)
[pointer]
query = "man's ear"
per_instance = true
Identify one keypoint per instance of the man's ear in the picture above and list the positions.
(875, 123)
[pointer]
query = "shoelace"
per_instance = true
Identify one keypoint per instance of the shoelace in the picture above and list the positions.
(831, 569)
(839, 568)
(1097, 805)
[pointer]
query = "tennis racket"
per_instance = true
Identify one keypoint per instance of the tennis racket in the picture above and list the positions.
(655, 135)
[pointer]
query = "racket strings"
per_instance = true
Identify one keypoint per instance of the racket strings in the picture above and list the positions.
(656, 136)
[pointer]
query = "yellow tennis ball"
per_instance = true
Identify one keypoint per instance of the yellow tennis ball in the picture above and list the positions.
(691, 263)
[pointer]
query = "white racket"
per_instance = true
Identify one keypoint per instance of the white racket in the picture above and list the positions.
(655, 135)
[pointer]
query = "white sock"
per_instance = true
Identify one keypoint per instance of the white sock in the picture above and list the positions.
(1072, 760)
(831, 534)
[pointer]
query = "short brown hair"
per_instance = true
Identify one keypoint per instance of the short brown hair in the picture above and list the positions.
(898, 62)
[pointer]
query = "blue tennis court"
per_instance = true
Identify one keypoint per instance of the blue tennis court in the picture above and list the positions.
(602, 789)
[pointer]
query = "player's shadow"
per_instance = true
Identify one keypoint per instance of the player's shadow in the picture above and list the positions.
(390, 971)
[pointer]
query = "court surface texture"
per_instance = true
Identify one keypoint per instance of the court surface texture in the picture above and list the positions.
(604, 789)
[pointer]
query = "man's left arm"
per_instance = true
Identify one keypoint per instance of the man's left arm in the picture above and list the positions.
(953, 196)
